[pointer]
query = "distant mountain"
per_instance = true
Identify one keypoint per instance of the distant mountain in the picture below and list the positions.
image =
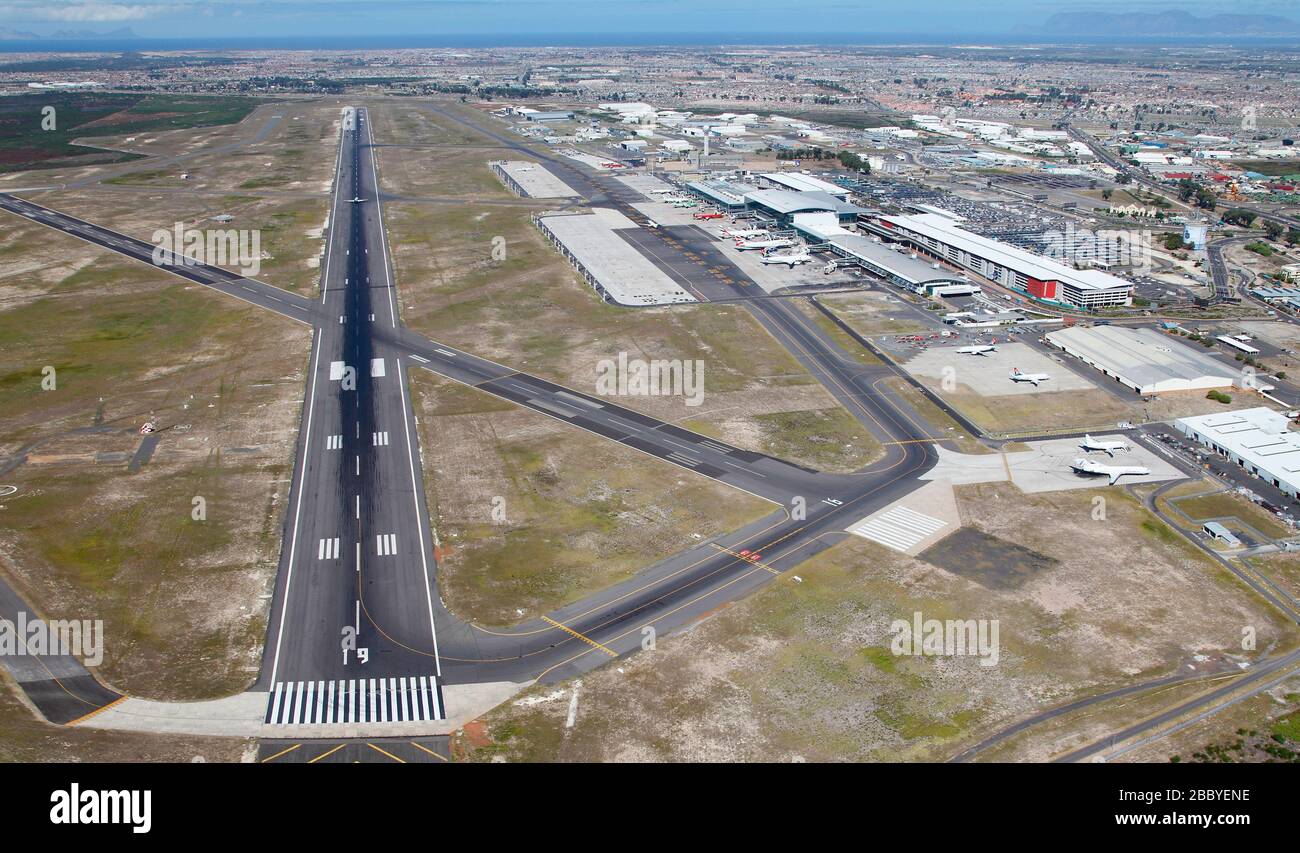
(1168, 23)
(10, 34)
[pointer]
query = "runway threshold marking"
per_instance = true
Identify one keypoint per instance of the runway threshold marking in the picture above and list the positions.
(744, 559)
(588, 640)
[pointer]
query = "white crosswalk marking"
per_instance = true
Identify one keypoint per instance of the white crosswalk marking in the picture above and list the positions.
(328, 549)
(899, 528)
(380, 439)
(333, 442)
(386, 544)
(372, 700)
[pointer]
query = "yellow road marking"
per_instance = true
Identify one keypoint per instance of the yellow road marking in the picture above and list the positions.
(742, 557)
(588, 640)
(281, 752)
(98, 710)
(327, 754)
(385, 752)
(436, 755)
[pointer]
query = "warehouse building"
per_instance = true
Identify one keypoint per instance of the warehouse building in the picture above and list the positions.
(1256, 439)
(610, 264)
(1143, 359)
(1033, 275)
(531, 180)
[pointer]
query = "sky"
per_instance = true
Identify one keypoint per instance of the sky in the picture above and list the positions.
(767, 18)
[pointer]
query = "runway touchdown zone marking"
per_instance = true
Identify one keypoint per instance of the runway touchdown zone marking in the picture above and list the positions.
(328, 549)
(386, 544)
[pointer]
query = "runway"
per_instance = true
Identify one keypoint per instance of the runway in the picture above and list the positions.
(357, 633)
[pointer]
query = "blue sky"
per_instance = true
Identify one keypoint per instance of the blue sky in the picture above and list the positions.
(280, 18)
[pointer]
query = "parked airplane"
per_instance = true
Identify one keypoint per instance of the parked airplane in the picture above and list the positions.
(746, 245)
(1092, 467)
(790, 259)
(1109, 447)
(1017, 376)
(744, 233)
(978, 349)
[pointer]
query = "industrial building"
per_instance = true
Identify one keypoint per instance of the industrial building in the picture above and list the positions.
(531, 180)
(1143, 359)
(610, 264)
(552, 115)
(1256, 439)
(1283, 297)
(1034, 275)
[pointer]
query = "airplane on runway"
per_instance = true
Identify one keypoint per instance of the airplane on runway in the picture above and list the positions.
(791, 259)
(978, 349)
(1091, 467)
(356, 200)
(1017, 376)
(1109, 447)
(747, 245)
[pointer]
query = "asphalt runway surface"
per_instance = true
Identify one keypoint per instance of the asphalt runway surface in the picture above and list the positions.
(358, 565)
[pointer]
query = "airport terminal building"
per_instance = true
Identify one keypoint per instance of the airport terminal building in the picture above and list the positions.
(1034, 275)
(1143, 359)
(1256, 439)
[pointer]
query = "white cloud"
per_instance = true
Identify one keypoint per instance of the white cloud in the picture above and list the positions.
(87, 12)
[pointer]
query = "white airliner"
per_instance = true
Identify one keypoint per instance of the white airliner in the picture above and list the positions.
(1017, 376)
(745, 233)
(978, 349)
(746, 245)
(1109, 447)
(357, 200)
(790, 259)
(1095, 468)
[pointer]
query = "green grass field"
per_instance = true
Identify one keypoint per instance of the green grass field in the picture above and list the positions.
(26, 144)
